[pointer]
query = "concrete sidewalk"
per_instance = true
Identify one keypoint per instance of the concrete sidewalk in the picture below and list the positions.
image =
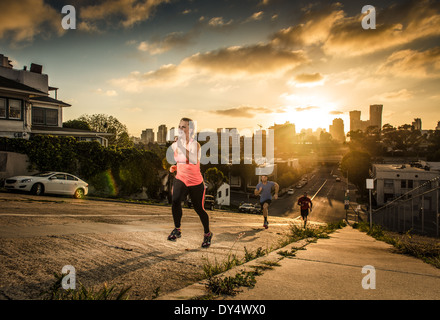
(332, 269)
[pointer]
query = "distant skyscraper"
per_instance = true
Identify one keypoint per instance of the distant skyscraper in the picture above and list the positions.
(376, 115)
(337, 130)
(438, 126)
(355, 120)
(147, 136)
(162, 134)
(417, 124)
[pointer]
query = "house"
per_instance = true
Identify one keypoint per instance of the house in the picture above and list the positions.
(26, 108)
(224, 195)
(394, 180)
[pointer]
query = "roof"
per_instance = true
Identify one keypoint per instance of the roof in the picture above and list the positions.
(50, 100)
(16, 86)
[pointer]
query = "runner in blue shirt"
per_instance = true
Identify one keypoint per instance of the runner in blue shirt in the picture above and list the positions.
(264, 190)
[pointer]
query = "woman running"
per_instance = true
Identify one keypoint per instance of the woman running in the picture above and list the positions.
(188, 180)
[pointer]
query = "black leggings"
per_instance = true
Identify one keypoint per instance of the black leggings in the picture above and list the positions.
(197, 195)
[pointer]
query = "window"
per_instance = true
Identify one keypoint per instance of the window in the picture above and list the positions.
(410, 184)
(2, 108)
(14, 109)
(11, 109)
(403, 184)
(71, 178)
(44, 116)
(388, 183)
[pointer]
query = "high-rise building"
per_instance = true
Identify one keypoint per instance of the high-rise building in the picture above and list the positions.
(438, 126)
(337, 130)
(417, 124)
(147, 136)
(162, 134)
(376, 116)
(355, 120)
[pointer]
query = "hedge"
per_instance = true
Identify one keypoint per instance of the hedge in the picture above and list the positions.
(109, 170)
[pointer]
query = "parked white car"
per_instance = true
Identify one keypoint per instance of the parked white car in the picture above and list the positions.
(49, 182)
(290, 191)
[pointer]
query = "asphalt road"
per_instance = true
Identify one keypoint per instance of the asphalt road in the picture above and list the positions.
(125, 244)
(326, 193)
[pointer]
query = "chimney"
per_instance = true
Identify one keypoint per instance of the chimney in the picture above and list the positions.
(36, 68)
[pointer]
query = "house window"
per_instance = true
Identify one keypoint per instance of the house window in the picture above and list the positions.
(11, 109)
(14, 109)
(403, 184)
(43, 116)
(2, 108)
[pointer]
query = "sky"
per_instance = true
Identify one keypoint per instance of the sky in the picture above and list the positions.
(232, 64)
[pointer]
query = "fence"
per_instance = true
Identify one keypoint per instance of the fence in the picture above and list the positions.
(416, 211)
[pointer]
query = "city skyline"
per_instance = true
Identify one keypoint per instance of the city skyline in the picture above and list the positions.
(232, 64)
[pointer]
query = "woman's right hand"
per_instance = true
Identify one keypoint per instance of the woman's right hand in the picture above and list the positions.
(173, 168)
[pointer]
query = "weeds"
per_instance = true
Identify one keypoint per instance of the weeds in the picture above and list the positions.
(230, 285)
(422, 248)
(56, 292)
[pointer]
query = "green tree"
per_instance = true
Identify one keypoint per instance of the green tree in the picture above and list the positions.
(77, 124)
(108, 124)
(215, 177)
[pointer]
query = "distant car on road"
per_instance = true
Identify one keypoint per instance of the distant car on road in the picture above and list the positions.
(290, 191)
(248, 208)
(49, 183)
(338, 179)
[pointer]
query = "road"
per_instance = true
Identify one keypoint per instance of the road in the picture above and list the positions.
(327, 195)
(120, 244)
(124, 244)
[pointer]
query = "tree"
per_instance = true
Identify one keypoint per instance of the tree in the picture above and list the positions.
(77, 124)
(215, 177)
(357, 165)
(108, 124)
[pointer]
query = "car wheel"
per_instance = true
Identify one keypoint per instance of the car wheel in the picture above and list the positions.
(37, 189)
(79, 194)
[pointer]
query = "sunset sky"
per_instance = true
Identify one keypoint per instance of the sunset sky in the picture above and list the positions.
(232, 63)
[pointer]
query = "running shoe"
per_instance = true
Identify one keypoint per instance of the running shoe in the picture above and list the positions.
(174, 234)
(266, 224)
(207, 240)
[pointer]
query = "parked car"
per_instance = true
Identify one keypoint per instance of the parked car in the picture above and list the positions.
(248, 208)
(209, 202)
(49, 183)
(338, 179)
(290, 191)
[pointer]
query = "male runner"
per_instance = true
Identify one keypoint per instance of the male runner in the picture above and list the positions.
(264, 189)
(305, 203)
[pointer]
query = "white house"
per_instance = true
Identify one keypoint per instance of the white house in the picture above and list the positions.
(26, 108)
(224, 195)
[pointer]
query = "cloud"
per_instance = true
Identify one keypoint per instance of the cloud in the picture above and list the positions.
(300, 109)
(245, 111)
(218, 22)
(256, 16)
(231, 63)
(247, 60)
(170, 41)
(128, 12)
(109, 93)
(412, 63)
(22, 20)
(400, 95)
(335, 112)
(396, 25)
(338, 34)
(307, 80)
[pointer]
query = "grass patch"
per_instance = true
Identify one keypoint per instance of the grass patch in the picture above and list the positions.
(424, 248)
(230, 285)
(56, 292)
